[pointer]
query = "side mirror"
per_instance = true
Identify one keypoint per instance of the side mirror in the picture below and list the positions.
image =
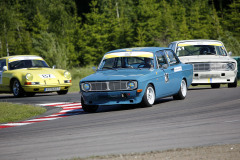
(230, 53)
(54, 66)
(94, 69)
(165, 66)
(4, 68)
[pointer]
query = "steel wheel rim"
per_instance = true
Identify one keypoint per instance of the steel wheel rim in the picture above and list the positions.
(184, 88)
(150, 95)
(16, 88)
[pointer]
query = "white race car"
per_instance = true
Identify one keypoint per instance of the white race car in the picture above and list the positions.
(211, 62)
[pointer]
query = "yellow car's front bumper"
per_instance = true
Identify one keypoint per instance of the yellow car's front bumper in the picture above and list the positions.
(46, 88)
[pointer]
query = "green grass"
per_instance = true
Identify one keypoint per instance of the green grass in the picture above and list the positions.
(77, 75)
(15, 112)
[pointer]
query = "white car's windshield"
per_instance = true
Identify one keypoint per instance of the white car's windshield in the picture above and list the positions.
(27, 64)
(126, 62)
(192, 50)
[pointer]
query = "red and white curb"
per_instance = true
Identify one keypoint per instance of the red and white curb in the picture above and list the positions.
(68, 109)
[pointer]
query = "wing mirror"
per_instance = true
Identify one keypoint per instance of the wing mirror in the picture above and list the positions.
(165, 66)
(4, 68)
(54, 66)
(230, 53)
(94, 69)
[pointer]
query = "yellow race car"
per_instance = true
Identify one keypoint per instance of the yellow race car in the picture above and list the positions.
(29, 74)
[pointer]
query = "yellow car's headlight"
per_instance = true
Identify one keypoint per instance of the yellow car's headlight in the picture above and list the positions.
(67, 74)
(29, 76)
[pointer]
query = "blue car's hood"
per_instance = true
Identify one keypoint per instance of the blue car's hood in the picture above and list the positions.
(121, 74)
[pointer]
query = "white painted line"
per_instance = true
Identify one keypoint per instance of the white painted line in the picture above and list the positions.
(66, 105)
(46, 104)
(42, 119)
(232, 121)
(16, 124)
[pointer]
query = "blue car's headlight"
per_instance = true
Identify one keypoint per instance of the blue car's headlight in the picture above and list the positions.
(132, 85)
(86, 86)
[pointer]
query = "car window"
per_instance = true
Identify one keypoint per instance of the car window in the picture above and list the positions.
(127, 62)
(2, 64)
(27, 64)
(161, 59)
(171, 57)
(194, 49)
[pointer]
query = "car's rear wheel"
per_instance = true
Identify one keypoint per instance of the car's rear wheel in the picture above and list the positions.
(149, 97)
(62, 92)
(89, 108)
(233, 85)
(215, 85)
(182, 93)
(17, 88)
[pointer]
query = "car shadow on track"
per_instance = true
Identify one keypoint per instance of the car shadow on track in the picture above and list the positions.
(113, 108)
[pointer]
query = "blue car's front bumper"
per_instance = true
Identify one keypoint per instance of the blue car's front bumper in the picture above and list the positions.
(112, 98)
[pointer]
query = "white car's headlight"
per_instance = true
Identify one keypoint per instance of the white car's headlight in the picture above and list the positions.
(86, 86)
(132, 85)
(29, 76)
(231, 66)
(67, 74)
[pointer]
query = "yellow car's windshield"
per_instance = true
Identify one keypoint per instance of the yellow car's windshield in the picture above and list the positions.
(27, 64)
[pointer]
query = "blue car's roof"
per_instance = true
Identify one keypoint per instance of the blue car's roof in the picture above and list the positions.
(144, 49)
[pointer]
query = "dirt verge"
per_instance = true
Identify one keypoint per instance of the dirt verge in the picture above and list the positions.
(220, 152)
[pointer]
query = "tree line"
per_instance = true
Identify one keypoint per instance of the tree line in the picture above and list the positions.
(75, 33)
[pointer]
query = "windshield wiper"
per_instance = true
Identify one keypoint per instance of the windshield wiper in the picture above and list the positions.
(109, 68)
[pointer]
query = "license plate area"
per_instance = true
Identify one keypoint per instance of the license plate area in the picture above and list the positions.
(52, 89)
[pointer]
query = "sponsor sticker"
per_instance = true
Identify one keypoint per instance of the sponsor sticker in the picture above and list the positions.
(177, 69)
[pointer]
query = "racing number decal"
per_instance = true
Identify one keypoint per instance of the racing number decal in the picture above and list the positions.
(46, 76)
(166, 77)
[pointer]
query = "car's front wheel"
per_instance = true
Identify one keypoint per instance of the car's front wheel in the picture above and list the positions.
(182, 93)
(149, 97)
(17, 88)
(89, 108)
(233, 85)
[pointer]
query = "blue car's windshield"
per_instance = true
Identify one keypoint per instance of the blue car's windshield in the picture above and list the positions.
(27, 64)
(126, 62)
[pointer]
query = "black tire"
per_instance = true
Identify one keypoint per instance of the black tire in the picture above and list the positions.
(148, 97)
(17, 89)
(233, 85)
(182, 93)
(62, 92)
(30, 94)
(215, 85)
(89, 108)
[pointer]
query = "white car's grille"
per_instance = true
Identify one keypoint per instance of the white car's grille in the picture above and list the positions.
(213, 66)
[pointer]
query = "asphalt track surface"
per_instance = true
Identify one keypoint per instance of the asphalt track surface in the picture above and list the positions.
(206, 117)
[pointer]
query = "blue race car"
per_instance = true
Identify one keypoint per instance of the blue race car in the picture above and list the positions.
(136, 76)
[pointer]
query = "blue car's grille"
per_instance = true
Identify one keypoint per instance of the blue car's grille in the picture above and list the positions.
(98, 86)
(109, 86)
